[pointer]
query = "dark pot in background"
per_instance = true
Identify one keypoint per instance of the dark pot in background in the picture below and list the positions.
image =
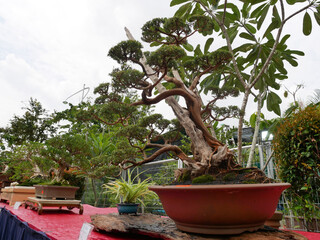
(127, 208)
(55, 192)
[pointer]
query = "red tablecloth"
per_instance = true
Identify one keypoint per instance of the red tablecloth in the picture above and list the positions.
(66, 225)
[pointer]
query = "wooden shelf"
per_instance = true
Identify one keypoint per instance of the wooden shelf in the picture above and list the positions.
(38, 203)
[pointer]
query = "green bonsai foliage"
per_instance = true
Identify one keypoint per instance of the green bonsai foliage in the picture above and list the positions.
(126, 50)
(203, 179)
(63, 152)
(296, 146)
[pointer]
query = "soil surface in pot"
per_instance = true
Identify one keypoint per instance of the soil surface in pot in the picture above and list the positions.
(233, 176)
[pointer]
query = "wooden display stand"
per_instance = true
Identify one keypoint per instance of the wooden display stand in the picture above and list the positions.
(38, 203)
(17, 194)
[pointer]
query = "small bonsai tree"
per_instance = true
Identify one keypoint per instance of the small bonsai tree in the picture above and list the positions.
(63, 152)
(168, 73)
(296, 146)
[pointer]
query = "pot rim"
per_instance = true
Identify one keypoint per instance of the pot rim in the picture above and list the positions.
(221, 186)
(127, 204)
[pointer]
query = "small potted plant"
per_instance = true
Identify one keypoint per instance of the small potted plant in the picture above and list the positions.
(129, 193)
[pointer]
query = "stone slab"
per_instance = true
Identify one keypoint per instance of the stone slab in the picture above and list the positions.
(165, 228)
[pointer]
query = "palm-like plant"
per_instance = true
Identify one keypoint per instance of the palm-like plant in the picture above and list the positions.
(129, 191)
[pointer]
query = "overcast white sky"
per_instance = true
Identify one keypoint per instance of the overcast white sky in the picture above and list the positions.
(50, 48)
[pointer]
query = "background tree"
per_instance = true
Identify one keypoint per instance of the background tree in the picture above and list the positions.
(34, 126)
(98, 165)
(21, 140)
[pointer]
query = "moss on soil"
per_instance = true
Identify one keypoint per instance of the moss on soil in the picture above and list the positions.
(234, 176)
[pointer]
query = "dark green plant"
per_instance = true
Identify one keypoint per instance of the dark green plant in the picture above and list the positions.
(77, 181)
(229, 177)
(297, 154)
(203, 179)
(162, 175)
(35, 125)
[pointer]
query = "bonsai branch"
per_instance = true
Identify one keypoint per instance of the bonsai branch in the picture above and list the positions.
(163, 149)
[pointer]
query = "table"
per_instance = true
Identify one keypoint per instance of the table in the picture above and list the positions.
(38, 203)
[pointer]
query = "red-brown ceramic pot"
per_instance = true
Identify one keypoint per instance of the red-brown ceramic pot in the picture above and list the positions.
(220, 209)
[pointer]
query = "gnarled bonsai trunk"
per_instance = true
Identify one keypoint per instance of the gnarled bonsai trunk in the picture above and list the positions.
(208, 152)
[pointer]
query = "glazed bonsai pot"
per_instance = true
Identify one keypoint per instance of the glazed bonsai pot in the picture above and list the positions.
(55, 192)
(127, 208)
(220, 209)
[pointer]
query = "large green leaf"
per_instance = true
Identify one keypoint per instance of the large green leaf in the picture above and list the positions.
(204, 2)
(307, 24)
(257, 12)
(177, 2)
(291, 2)
(197, 51)
(290, 59)
(244, 48)
(253, 119)
(188, 47)
(284, 39)
(317, 17)
(254, 1)
(278, 63)
(251, 28)
(208, 44)
(183, 10)
(273, 103)
(274, 24)
(247, 36)
(263, 15)
(273, 2)
(232, 32)
(275, 14)
(300, 53)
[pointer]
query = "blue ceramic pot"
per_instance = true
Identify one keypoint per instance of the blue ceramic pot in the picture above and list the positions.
(127, 208)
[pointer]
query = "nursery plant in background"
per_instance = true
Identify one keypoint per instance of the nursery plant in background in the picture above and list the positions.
(97, 164)
(296, 148)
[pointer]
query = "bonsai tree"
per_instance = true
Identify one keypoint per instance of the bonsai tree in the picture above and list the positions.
(63, 152)
(168, 73)
(26, 164)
